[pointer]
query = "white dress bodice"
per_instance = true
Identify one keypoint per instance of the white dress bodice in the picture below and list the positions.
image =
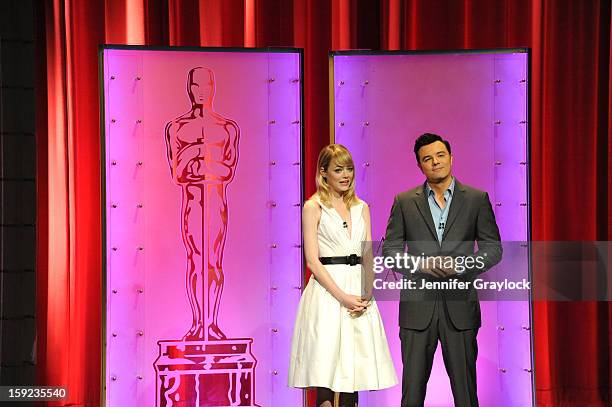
(334, 238)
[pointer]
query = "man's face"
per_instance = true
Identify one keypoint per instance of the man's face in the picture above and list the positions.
(435, 161)
(202, 87)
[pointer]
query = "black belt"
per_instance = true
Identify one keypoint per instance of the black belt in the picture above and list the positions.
(351, 260)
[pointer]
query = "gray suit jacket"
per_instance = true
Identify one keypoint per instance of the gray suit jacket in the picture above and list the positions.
(411, 229)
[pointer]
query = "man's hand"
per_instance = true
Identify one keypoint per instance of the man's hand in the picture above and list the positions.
(442, 267)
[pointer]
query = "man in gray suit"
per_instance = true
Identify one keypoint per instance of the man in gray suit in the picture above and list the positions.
(441, 221)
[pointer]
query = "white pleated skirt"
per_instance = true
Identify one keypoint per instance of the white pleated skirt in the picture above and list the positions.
(331, 348)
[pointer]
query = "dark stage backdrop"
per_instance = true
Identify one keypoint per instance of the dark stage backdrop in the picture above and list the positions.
(570, 122)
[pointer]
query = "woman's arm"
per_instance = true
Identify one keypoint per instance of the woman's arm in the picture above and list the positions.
(311, 215)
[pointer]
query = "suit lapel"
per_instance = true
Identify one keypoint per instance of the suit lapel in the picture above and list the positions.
(423, 206)
(455, 207)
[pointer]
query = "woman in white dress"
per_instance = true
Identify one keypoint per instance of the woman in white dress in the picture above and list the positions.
(339, 343)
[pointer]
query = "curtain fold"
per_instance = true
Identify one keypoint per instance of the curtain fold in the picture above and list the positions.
(571, 105)
(69, 258)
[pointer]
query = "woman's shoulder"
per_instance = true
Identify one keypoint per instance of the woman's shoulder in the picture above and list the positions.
(313, 204)
(311, 211)
(360, 202)
(363, 208)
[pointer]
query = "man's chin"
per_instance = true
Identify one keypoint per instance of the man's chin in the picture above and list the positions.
(437, 178)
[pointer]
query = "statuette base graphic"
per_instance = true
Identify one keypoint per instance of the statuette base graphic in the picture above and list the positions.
(206, 373)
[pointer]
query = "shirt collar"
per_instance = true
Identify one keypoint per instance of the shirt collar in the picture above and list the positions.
(450, 189)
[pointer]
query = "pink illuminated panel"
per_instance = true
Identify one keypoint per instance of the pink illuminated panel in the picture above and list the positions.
(478, 101)
(203, 255)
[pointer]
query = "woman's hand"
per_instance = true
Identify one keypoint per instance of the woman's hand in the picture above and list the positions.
(354, 303)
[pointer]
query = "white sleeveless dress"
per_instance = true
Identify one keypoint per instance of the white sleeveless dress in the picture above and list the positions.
(331, 348)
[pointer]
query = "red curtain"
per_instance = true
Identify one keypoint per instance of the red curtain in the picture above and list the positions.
(571, 104)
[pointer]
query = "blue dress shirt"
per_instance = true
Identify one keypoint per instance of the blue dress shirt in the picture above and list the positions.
(439, 214)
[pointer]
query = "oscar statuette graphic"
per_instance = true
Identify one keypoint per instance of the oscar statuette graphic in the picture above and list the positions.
(204, 367)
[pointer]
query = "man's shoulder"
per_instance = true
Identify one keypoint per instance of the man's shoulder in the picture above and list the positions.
(417, 191)
(470, 190)
(409, 194)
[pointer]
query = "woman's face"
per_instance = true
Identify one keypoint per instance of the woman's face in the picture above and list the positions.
(339, 177)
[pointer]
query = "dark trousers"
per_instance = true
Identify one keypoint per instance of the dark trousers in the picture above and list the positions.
(459, 350)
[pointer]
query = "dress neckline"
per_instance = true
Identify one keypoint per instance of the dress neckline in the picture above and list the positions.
(348, 231)
(351, 217)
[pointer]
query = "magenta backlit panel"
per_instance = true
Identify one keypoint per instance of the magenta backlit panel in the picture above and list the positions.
(478, 101)
(202, 234)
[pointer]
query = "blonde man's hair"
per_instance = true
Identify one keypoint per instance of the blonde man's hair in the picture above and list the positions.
(343, 157)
